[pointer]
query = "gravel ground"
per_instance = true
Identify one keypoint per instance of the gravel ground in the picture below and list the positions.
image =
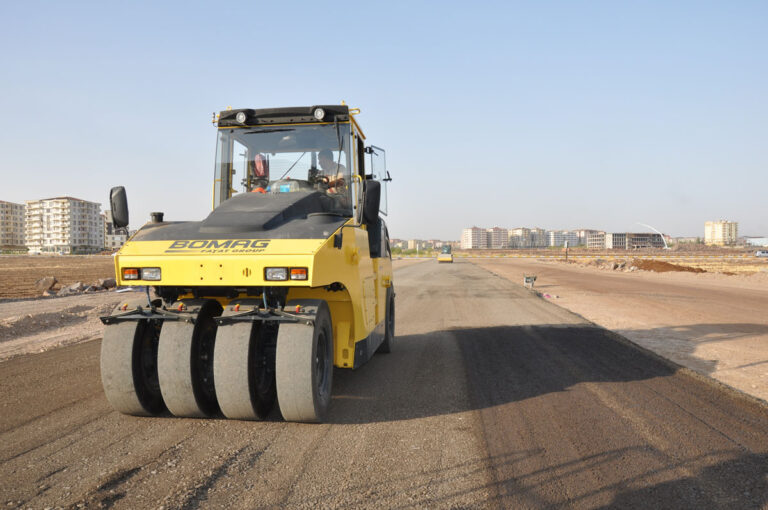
(491, 398)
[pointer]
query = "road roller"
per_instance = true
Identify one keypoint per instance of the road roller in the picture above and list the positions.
(445, 254)
(289, 276)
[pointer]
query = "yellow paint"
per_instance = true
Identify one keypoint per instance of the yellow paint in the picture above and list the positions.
(355, 310)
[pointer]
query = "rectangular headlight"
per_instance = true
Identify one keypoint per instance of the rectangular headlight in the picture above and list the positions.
(276, 273)
(130, 273)
(150, 273)
(298, 273)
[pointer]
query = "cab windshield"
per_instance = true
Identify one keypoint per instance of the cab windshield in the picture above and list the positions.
(446, 249)
(285, 159)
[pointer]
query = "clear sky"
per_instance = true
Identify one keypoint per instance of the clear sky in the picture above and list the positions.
(551, 114)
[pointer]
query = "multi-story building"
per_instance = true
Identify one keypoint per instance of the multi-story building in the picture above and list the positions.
(756, 241)
(596, 240)
(616, 240)
(520, 238)
(583, 234)
(539, 238)
(633, 240)
(11, 226)
(498, 238)
(644, 240)
(473, 238)
(721, 233)
(113, 239)
(560, 237)
(64, 225)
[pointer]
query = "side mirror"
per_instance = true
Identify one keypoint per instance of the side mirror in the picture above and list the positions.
(372, 201)
(118, 201)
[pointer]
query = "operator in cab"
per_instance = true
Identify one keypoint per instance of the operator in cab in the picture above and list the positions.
(334, 173)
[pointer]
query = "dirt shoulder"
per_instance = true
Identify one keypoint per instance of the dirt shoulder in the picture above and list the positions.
(714, 324)
(18, 273)
(38, 325)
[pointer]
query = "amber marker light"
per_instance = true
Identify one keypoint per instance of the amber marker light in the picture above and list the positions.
(298, 273)
(130, 273)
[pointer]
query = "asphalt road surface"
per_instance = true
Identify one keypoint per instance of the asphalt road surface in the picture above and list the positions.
(491, 398)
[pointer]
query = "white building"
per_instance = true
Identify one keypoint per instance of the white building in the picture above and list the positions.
(560, 237)
(756, 241)
(721, 232)
(473, 238)
(11, 226)
(64, 225)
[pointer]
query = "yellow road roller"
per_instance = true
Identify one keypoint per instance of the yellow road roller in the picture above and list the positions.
(445, 254)
(288, 276)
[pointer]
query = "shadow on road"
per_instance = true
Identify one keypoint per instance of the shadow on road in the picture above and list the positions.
(624, 440)
(430, 374)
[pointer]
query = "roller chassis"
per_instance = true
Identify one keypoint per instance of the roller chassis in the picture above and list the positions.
(189, 314)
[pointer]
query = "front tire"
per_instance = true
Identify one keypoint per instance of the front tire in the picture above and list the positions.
(129, 367)
(185, 362)
(304, 365)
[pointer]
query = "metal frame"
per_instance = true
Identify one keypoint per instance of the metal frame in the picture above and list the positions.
(190, 315)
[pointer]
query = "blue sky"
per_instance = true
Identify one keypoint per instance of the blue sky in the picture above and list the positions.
(550, 114)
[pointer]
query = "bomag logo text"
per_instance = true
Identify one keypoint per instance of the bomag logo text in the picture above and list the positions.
(219, 246)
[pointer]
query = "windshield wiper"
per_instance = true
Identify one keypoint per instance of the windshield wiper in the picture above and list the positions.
(293, 165)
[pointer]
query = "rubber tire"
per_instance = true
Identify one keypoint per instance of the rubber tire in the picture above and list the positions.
(303, 387)
(179, 360)
(389, 324)
(237, 364)
(128, 353)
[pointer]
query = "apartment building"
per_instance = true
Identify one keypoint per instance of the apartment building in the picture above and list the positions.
(113, 239)
(721, 233)
(63, 225)
(560, 237)
(473, 238)
(583, 234)
(498, 238)
(539, 238)
(520, 238)
(11, 227)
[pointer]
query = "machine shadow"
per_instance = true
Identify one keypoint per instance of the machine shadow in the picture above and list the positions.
(459, 370)
(740, 482)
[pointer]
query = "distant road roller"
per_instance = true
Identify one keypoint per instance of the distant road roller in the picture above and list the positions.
(445, 254)
(287, 277)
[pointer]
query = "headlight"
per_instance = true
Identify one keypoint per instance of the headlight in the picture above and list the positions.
(150, 273)
(240, 117)
(319, 113)
(276, 273)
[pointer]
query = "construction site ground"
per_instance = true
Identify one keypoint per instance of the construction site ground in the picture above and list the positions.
(493, 397)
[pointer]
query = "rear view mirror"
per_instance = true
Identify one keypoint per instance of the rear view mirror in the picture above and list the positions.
(118, 201)
(372, 201)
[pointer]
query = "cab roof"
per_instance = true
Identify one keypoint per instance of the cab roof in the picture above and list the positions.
(287, 115)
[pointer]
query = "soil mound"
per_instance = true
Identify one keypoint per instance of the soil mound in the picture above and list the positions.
(664, 267)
